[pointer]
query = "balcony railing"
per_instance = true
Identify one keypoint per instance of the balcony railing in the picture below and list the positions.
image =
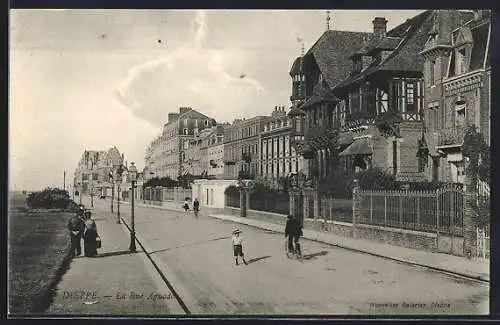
(451, 136)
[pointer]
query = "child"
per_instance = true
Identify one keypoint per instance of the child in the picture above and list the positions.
(237, 246)
(186, 205)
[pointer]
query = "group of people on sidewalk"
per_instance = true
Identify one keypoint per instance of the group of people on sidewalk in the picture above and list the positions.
(196, 206)
(82, 226)
(293, 231)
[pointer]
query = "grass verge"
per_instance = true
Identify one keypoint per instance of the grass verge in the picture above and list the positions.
(38, 257)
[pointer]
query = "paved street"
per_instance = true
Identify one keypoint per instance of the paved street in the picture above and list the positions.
(197, 256)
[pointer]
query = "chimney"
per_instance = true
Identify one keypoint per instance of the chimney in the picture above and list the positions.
(172, 117)
(380, 26)
(183, 110)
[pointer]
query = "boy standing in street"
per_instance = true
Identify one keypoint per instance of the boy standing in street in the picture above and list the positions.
(237, 246)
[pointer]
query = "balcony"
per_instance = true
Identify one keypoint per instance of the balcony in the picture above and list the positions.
(451, 136)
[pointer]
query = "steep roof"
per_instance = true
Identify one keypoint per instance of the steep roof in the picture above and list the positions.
(320, 94)
(478, 32)
(295, 67)
(405, 57)
(331, 52)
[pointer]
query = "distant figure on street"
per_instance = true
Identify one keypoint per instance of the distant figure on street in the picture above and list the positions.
(186, 205)
(91, 239)
(293, 230)
(196, 207)
(238, 246)
(75, 227)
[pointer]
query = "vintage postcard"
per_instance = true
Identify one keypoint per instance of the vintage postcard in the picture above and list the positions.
(171, 163)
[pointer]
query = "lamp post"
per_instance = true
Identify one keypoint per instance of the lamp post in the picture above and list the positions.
(112, 181)
(132, 172)
(119, 173)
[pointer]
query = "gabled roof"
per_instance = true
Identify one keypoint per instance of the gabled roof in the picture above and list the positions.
(479, 33)
(320, 94)
(405, 57)
(331, 52)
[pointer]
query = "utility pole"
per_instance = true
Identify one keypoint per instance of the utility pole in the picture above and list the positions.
(64, 181)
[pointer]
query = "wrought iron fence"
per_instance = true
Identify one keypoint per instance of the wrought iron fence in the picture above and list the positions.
(483, 243)
(430, 211)
(336, 209)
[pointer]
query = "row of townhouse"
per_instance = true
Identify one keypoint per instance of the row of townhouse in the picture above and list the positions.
(359, 100)
(92, 174)
(193, 145)
(381, 99)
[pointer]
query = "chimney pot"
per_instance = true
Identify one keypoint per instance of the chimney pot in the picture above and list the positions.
(379, 26)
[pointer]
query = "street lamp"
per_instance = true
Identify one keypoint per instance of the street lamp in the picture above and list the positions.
(119, 173)
(132, 173)
(112, 181)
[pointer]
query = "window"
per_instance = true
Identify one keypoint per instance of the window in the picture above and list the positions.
(460, 115)
(422, 163)
(461, 61)
(185, 122)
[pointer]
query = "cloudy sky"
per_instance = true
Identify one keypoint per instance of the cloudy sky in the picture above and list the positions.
(92, 79)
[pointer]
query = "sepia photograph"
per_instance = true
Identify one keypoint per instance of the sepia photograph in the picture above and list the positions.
(191, 163)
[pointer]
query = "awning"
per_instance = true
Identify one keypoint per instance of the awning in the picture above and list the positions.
(359, 147)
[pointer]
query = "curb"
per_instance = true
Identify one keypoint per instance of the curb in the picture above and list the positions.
(479, 279)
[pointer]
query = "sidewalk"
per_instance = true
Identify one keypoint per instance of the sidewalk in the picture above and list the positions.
(115, 282)
(477, 268)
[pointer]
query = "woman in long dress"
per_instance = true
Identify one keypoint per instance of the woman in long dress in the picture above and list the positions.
(90, 236)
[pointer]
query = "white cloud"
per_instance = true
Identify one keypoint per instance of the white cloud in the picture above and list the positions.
(191, 75)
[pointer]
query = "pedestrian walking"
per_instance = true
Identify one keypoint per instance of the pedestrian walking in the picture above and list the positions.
(237, 241)
(293, 230)
(196, 207)
(91, 239)
(186, 205)
(75, 227)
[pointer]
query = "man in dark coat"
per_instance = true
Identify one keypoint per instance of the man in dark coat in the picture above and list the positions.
(293, 230)
(75, 227)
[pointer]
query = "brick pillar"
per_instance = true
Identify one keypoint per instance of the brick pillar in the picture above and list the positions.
(316, 204)
(243, 212)
(469, 222)
(247, 199)
(355, 206)
(306, 204)
(292, 205)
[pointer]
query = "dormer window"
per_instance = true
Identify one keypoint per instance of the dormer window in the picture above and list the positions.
(461, 61)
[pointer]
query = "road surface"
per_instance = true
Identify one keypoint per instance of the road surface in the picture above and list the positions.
(330, 280)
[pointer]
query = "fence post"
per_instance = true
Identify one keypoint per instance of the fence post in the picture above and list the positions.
(371, 208)
(400, 210)
(437, 218)
(355, 206)
(452, 219)
(385, 210)
(418, 210)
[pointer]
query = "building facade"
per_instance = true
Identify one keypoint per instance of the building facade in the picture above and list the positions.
(87, 178)
(166, 154)
(278, 158)
(215, 152)
(458, 89)
(242, 147)
(359, 99)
